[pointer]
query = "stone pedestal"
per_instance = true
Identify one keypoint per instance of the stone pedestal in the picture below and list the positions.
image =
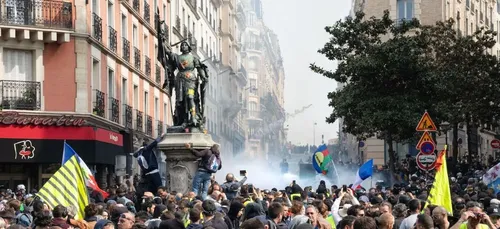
(181, 163)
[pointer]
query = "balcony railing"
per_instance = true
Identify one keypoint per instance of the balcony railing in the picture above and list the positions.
(37, 13)
(149, 125)
(136, 5)
(139, 120)
(112, 39)
(147, 67)
(97, 23)
(158, 74)
(159, 127)
(185, 32)
(99, 103)
(114, 110)
(126, 49)
(178, 24)
(147, 13)
(127, 116)
(137, 58)
(20, 95)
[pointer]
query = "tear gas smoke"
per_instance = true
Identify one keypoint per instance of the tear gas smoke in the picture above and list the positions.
(266, 174)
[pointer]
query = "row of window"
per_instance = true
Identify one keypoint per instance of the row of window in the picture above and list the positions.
(113, 88)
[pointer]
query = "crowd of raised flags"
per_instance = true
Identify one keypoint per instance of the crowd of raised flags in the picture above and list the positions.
(68, 186)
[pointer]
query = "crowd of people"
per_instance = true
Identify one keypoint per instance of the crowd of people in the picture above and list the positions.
(235, 204)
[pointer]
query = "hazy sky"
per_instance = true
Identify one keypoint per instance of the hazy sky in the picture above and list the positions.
(300, 28)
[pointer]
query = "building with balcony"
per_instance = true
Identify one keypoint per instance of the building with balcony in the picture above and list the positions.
(81, 72)
(261, 57)
(119, 78)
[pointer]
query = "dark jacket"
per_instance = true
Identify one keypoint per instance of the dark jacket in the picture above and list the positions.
(205, 156)
(149, 155)
(194, 226)
(171, 224)
(216, 222)
(231, 188)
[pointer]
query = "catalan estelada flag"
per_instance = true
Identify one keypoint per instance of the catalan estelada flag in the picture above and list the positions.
(440, 192)
(67, 188)
(321, 158)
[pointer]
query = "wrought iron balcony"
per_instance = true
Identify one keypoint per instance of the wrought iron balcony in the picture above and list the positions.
(159, 127)
(158, 74)
(37, 13)
(137, 58)
(149, 125)
(20, 95)
(147, 67)
(185, 32)
(127, 117)
(99, 103)
(126, 49)
(97, 24)
(139, 120)
(136, 5)
(178, 24)
(114, 110)
(147, 13)
(112, 39)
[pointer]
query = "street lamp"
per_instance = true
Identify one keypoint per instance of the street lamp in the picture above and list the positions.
(314, 133)
(445, 127)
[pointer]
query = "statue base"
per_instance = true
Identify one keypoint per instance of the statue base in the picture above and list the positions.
(181, 163)
(183, 129)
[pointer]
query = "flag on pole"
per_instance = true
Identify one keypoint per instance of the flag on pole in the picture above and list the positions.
(68, 153)
(66, 187)
(321, 159)
(440, 194)
(364, 172)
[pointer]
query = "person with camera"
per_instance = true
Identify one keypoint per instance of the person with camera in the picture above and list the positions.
(209, 164)
(474, 218)
(232, 186)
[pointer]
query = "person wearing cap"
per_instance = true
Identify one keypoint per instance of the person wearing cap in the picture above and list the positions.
(146, 158)
(209, 216)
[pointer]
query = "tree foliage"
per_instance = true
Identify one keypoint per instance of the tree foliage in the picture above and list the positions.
(393, 72)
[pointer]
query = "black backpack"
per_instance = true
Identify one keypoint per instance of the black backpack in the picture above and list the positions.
(213, 164)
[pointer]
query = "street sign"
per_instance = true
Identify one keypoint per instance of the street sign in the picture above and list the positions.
(426, 161)
(495, 143)
(426, 123)
(427, 147)
(361, 144)
(426, 137)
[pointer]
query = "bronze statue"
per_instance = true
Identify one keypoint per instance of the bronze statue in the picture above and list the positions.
(188, 115)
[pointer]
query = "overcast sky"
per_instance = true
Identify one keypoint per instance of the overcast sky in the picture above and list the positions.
(300, 28)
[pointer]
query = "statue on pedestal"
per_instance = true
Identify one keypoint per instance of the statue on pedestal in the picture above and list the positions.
(191, 76)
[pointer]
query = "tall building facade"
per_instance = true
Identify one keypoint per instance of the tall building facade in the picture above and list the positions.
(264, 100)
(85, 74)
(470, 16)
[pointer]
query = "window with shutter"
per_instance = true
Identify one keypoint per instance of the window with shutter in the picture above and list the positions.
(18, 65)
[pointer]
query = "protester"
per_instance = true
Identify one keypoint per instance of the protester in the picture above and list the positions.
(210, 163)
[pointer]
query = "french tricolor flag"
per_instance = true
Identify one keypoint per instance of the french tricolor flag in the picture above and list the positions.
(364, 172)
(68, 152)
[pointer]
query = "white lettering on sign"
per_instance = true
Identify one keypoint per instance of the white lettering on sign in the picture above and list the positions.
(113, 137)
(427, 159)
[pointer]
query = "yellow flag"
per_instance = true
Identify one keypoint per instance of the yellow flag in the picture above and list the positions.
(440, 192)
(67, 188)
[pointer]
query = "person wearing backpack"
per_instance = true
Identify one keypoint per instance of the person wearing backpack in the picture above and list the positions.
(209, 164)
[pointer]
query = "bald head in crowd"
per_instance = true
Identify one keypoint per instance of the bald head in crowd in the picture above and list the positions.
(386, 221)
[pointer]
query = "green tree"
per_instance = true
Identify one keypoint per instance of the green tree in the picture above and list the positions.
(467, 76)
(387, 74)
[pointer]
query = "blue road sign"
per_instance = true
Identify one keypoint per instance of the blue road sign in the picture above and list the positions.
(427, 147)
(361, 144)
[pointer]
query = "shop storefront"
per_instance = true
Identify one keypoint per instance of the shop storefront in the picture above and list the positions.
(31, 147)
